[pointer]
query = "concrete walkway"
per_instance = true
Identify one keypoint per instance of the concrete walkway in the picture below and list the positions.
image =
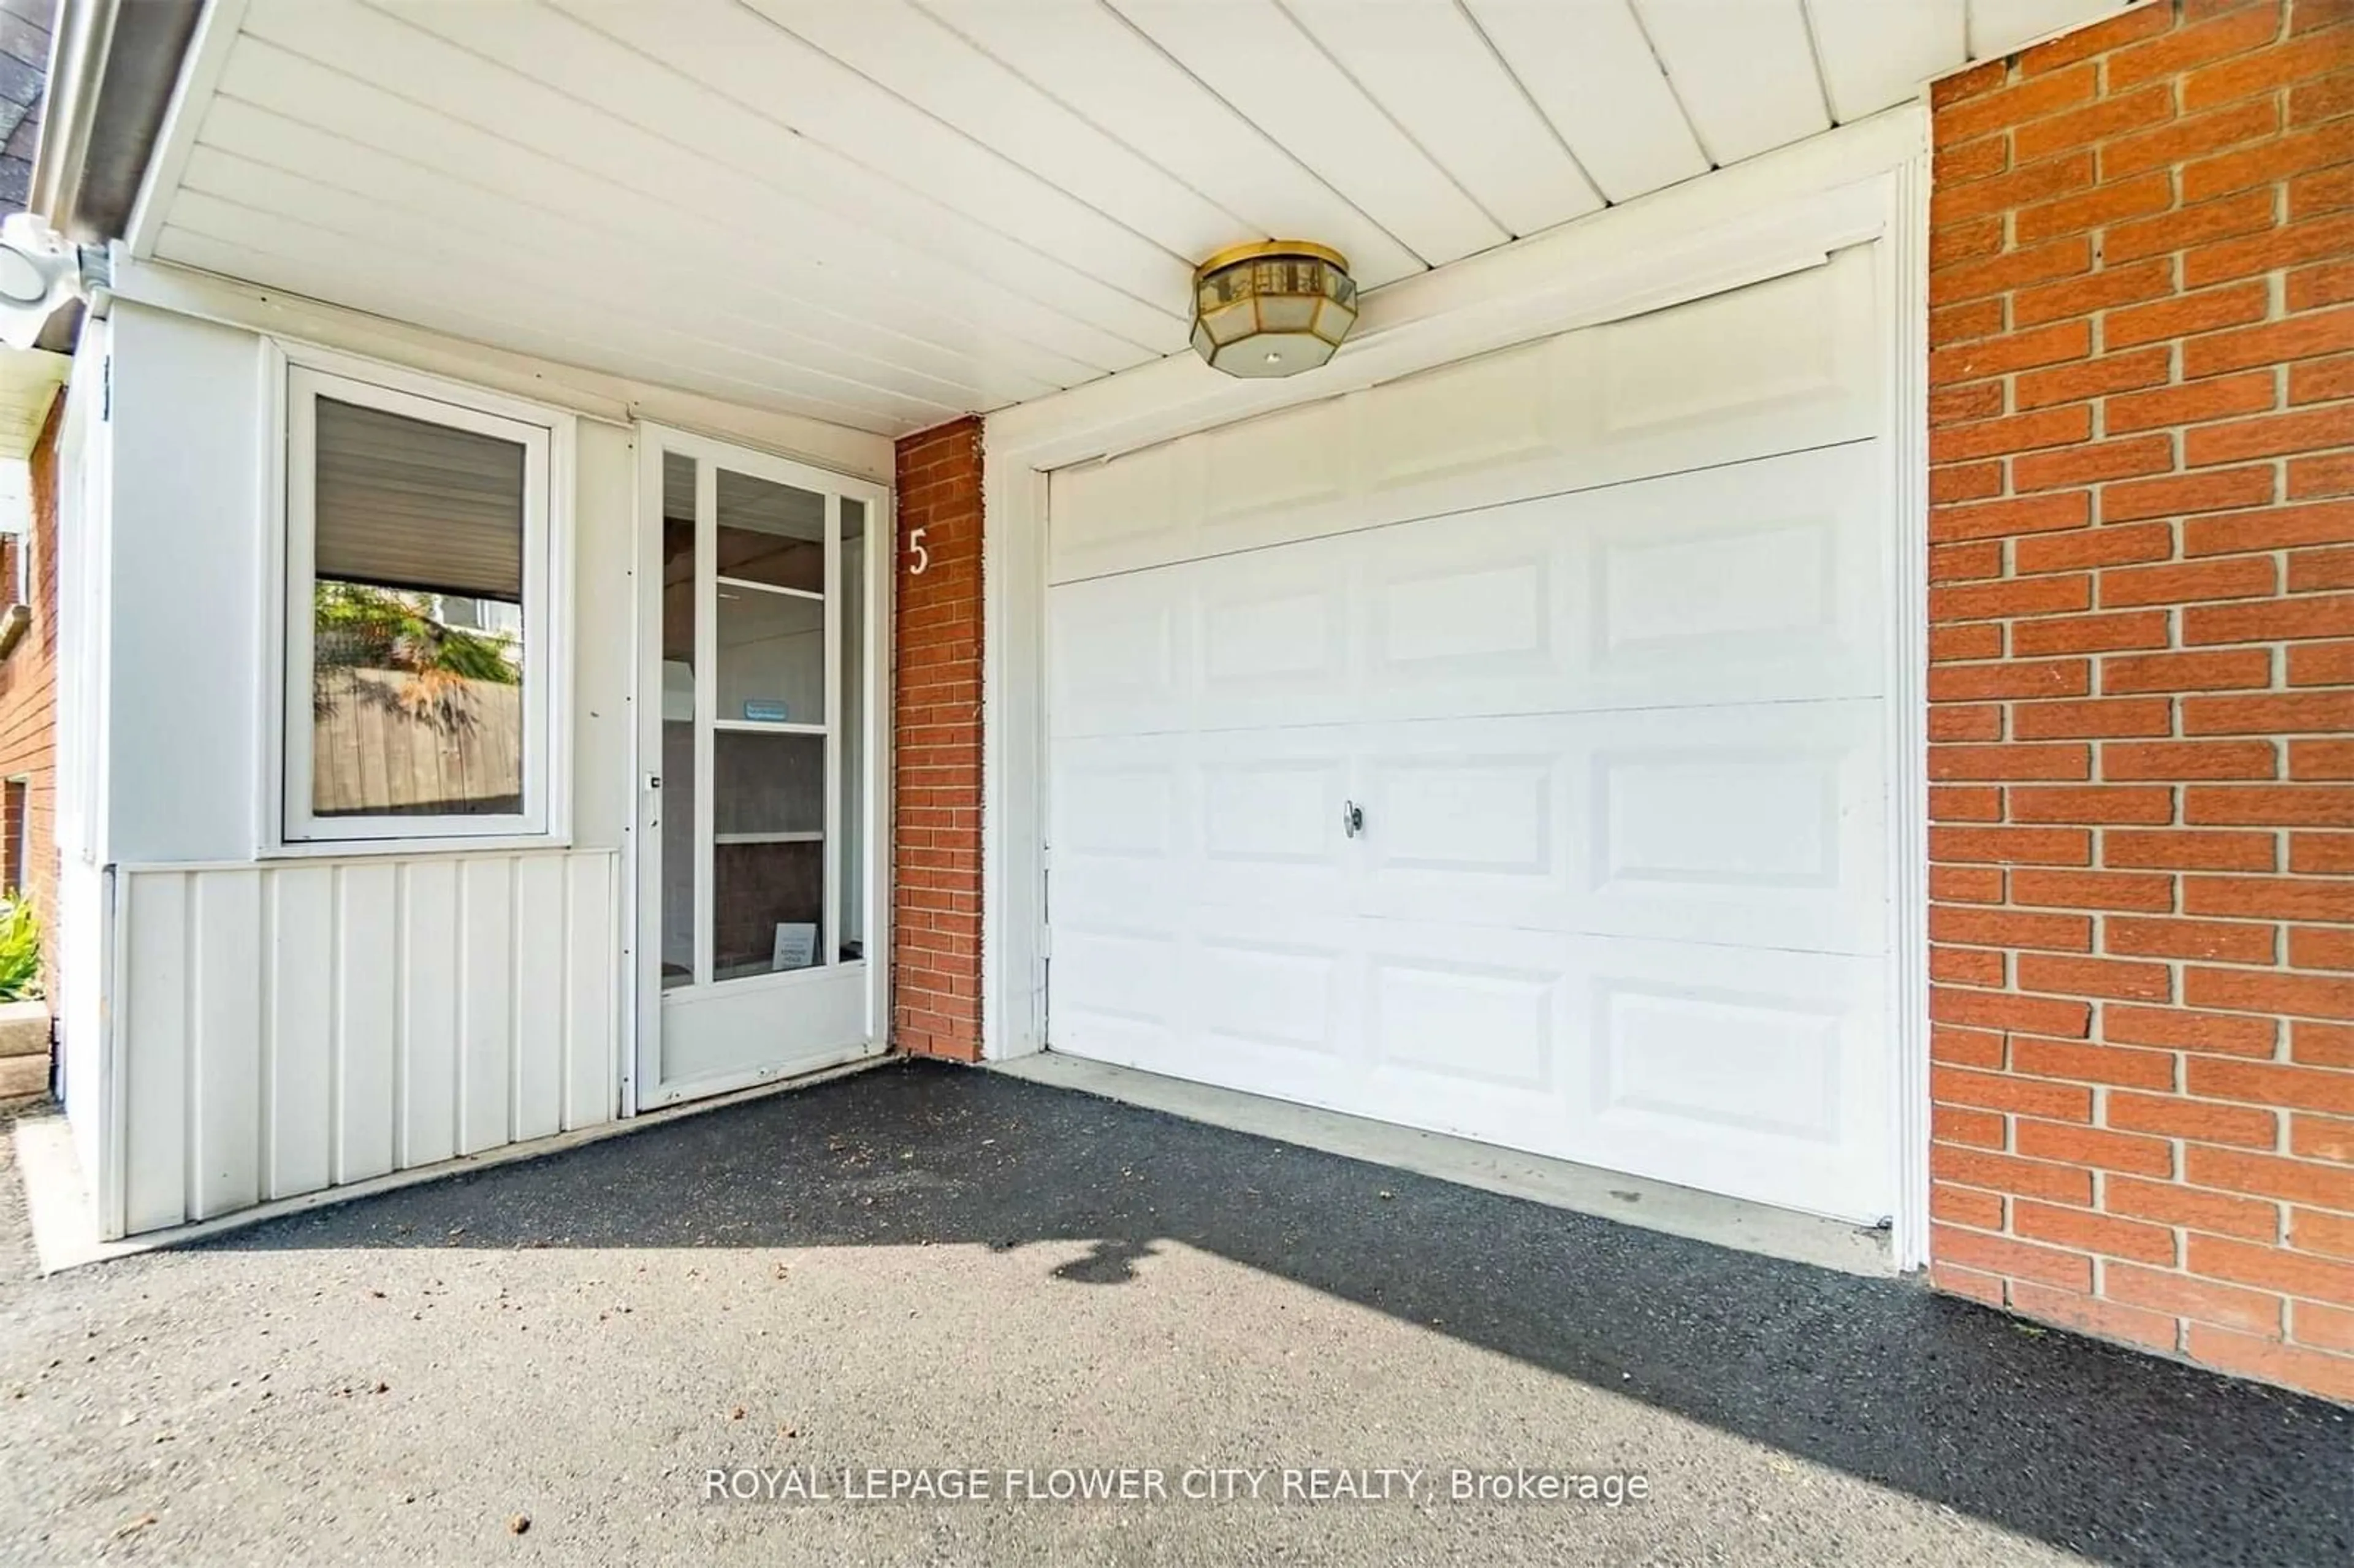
(924, 1266)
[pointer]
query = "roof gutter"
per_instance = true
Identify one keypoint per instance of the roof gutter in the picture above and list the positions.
(112, 69)
(78, 55)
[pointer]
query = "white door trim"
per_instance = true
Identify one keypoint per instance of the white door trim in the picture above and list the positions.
(1905, 262)
(1773, 215)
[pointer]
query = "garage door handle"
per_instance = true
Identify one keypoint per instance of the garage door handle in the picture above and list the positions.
(1352, 818)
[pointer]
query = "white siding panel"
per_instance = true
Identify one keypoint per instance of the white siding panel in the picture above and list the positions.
(1426, 64)
(1255, 57)
(320, 264)
(738, 165)
(1875, 54)
(1590, 69)
(356, 189)
(293, 1027)
(309, 223)
(1743, 70)
(183, 562)
(225, 1067)
(801, 93)
(154, 1051)
(429, 1000)
(909, 208)
(300, 987)
(486, 986)
(367, 1018)
(539, 946)
(708, 78)
(772, 306)
(288, 90)
(897, 46)
(591, 992)
(1107, 71)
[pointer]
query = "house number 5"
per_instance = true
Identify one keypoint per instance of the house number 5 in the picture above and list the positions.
(921, 557)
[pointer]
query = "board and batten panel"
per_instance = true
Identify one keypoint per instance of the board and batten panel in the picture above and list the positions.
(1781, 365)
(300, 987)
(293, 1026)
(425, 1066)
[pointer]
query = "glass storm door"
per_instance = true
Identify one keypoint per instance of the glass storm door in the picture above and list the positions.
(758, 701)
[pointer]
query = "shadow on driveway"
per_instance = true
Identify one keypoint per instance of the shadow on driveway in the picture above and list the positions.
(2119, 1456)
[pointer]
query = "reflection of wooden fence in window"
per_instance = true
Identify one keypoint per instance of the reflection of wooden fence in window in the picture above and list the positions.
(372, 755)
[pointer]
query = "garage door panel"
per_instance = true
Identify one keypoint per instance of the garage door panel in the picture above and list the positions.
(1473, 1020)
(1265, 819)
(1120, 799)
(1122, 514)
(1121, 981)
(1759, 1064)
(1290, 994)
(1116, 657)
(1733, 1069)
(1756, 582)
(1762, 1075)
(1476, 1034)
(1759, 1074)
(1492, 413)
(1232, 987)
(1253, 476)
(1739, 825)
(1764, 826)
(1774, 367)
(1144, 826)
(1118, 828)
(1486, 810)
(1781, 363)
(1274, 641)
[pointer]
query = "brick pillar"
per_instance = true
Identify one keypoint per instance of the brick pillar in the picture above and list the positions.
(2142, 304)
(936, 765)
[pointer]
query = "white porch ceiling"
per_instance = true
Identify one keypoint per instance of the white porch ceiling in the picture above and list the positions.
(887, 213)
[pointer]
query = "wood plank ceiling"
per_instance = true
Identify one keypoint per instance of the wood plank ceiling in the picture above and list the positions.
(887, 213)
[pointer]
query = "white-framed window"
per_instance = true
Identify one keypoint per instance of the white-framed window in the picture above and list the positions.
(420, 611)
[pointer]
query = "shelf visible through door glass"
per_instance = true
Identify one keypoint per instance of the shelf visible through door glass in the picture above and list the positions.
(770, 534)
(768, 853)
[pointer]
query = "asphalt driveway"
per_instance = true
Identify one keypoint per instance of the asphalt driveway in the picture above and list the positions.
(945, 1272)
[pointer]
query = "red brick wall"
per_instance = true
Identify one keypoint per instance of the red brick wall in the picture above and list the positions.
(28, 691)
(936, 769)
(2142, 304)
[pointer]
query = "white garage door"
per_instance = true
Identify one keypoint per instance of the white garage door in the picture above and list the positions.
(1593, 634)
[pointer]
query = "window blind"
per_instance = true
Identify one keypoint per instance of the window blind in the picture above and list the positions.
(407, 504)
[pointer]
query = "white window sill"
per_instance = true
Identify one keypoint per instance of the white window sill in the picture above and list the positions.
(446, 844)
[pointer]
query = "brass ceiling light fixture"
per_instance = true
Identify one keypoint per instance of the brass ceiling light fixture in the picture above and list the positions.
(1272, 309)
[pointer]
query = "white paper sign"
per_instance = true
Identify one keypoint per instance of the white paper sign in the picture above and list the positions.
(796, 945)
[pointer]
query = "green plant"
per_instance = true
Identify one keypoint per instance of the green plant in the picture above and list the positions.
(20, 948)
(361, 626)
(356, 626)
